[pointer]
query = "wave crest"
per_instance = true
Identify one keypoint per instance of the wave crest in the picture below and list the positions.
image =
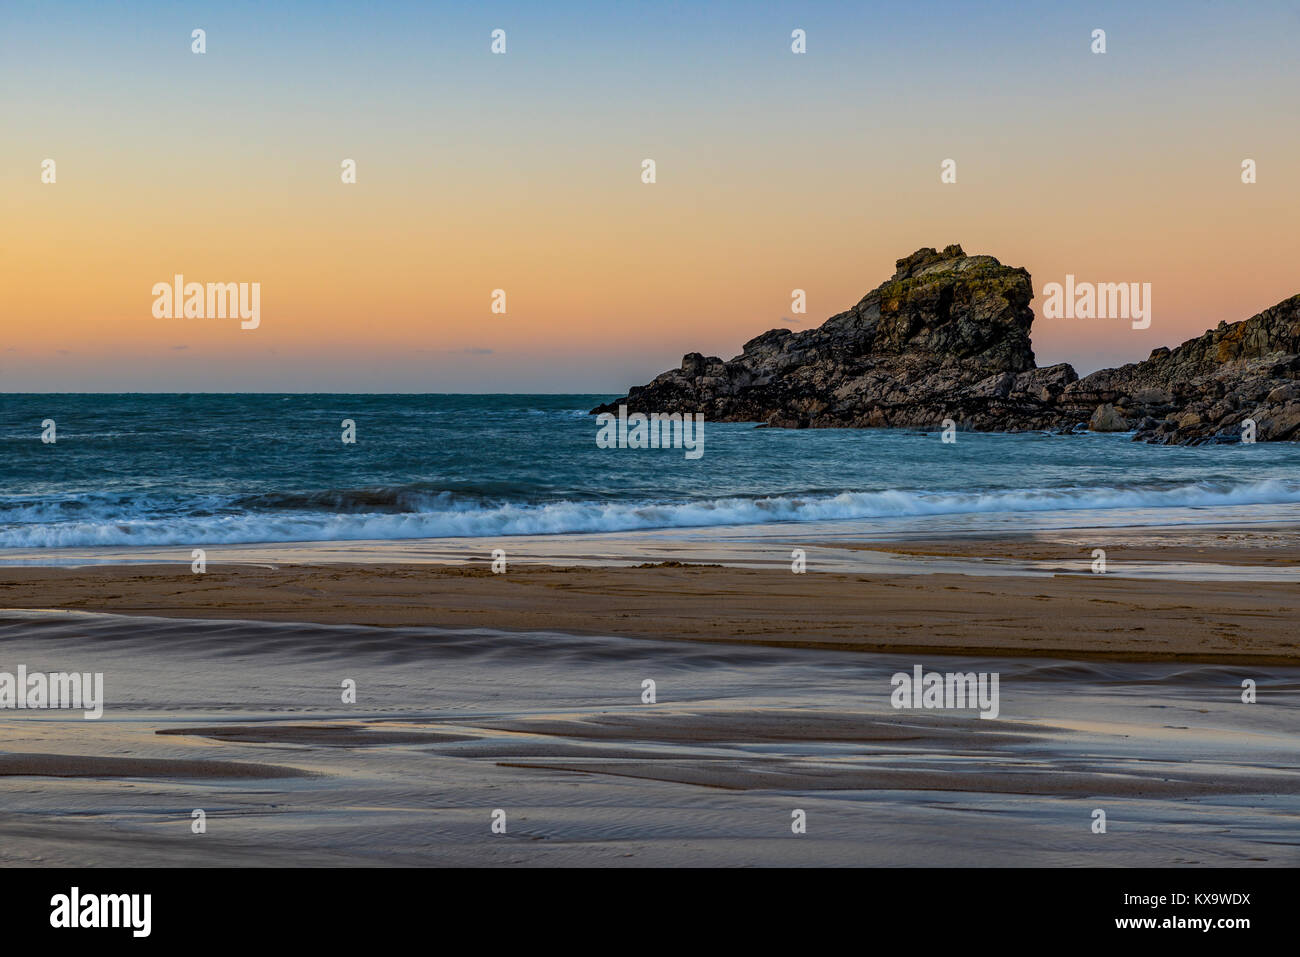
(397, 514)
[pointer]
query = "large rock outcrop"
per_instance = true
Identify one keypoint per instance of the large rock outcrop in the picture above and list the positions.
(1205, 389)
(948, 338)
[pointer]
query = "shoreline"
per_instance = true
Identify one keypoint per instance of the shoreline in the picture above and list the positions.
(1077, 616)
(1268, 537)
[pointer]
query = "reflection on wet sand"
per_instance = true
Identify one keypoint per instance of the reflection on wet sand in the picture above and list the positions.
(449, 726)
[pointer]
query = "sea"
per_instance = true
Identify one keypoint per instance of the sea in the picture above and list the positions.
(127, 470)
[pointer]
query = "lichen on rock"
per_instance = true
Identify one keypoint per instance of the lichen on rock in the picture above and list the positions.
(948, 337)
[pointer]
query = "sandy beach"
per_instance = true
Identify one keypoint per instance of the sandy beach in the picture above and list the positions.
(1030, 596)
(522, 692)
(244, 721)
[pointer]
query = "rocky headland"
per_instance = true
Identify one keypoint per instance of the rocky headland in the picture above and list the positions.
(948, 337)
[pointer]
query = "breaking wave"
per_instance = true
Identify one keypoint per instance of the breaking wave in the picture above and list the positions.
(409, 512)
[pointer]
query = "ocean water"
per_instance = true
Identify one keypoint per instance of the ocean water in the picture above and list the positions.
(150, 469)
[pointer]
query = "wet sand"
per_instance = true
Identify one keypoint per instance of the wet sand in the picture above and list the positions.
(523, 692)
(1066, 549)
(1080, 615)
(553, 730)
(1258, 548)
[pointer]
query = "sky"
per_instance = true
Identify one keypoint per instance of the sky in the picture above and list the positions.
(522, 171)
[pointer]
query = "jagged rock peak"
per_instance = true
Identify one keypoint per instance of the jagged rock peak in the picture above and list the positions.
(948, 337)
(911, 265)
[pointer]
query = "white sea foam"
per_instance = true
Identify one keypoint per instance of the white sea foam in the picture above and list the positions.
(448, 518)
